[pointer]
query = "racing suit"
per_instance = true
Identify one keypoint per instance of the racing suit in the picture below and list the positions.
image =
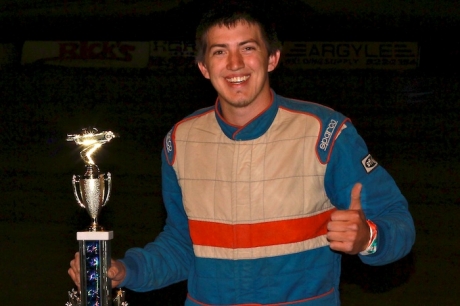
(248, 207)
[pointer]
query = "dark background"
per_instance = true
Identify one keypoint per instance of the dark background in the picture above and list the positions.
(409, 120)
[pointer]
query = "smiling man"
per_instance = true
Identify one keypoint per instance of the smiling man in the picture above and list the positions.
(263, 193)
(237, 63)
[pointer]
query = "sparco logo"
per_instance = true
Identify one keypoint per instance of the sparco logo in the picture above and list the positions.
(328, 134)
(369, 163)
(168, 142)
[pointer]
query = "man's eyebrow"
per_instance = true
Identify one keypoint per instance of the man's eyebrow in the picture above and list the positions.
(218, 46)
(248, 42)
(239, 44)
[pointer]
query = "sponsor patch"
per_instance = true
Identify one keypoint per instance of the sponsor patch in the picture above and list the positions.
(168, 142)
(328, 134)
(369, 163)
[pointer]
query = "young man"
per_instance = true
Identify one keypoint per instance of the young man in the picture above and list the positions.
(262, 192)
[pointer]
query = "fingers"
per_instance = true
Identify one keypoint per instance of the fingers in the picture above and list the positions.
(112, 272)
(116, 272)
(348, 230)
(355, 202)
(74, 270)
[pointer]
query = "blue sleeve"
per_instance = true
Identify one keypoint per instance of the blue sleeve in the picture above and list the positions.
(168, 259)
(381, 199)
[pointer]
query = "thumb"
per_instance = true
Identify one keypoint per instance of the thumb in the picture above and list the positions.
(355, 202)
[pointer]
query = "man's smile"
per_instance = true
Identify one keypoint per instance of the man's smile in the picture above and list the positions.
(238, 79)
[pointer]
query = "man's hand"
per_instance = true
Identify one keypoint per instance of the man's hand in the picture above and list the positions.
(348, 231)
(74, 270)
(116, 272)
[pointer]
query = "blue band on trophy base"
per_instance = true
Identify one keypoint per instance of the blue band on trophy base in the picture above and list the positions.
(94, 262)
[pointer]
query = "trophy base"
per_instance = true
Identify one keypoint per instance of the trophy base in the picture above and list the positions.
(96, 287)
(75, 300)
(92, 236)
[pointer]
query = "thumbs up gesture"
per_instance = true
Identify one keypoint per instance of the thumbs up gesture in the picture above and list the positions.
(348, 231)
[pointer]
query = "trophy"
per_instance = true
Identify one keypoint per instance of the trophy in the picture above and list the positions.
(92, 191)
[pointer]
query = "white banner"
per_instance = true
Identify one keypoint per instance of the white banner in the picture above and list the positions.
(117, 54)
(351, 55)
(163, 48)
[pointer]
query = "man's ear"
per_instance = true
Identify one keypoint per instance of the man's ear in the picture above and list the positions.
(203, 69)
(273, 60)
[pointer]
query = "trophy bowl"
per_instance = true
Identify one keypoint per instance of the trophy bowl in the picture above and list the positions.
(92, 194)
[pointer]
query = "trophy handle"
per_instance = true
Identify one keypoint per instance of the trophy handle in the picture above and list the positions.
(109, 188)
(75, 180)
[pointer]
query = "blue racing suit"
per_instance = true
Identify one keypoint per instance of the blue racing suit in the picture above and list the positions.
(248, 207)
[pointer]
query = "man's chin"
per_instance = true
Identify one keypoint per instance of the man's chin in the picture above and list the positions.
(239, 103)
(237, 100)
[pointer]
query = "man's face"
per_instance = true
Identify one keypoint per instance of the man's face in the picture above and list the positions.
(237, 63)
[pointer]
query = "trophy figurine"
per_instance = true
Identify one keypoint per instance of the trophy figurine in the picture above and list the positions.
(92, 191)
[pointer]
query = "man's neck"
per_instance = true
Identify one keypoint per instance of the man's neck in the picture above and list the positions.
(240, 116)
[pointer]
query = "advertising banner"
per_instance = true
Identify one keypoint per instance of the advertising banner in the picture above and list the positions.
(176, 54)
(350, 55)
(163, 48)
(116, 54)
(172, 54)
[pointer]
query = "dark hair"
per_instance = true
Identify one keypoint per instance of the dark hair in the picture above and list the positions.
(229, 15)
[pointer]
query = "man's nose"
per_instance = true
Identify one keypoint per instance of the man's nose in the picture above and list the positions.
(235, 61)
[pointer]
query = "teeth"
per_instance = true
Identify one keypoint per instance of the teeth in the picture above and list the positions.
(238, 79)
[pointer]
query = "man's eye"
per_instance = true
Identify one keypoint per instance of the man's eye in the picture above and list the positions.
(218, 52)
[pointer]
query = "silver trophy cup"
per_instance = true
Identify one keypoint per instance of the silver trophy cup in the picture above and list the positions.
(92, 191)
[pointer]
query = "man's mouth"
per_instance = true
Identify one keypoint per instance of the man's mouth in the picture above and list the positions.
(238, 80)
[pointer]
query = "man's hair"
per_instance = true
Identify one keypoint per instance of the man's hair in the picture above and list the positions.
(228, 16)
